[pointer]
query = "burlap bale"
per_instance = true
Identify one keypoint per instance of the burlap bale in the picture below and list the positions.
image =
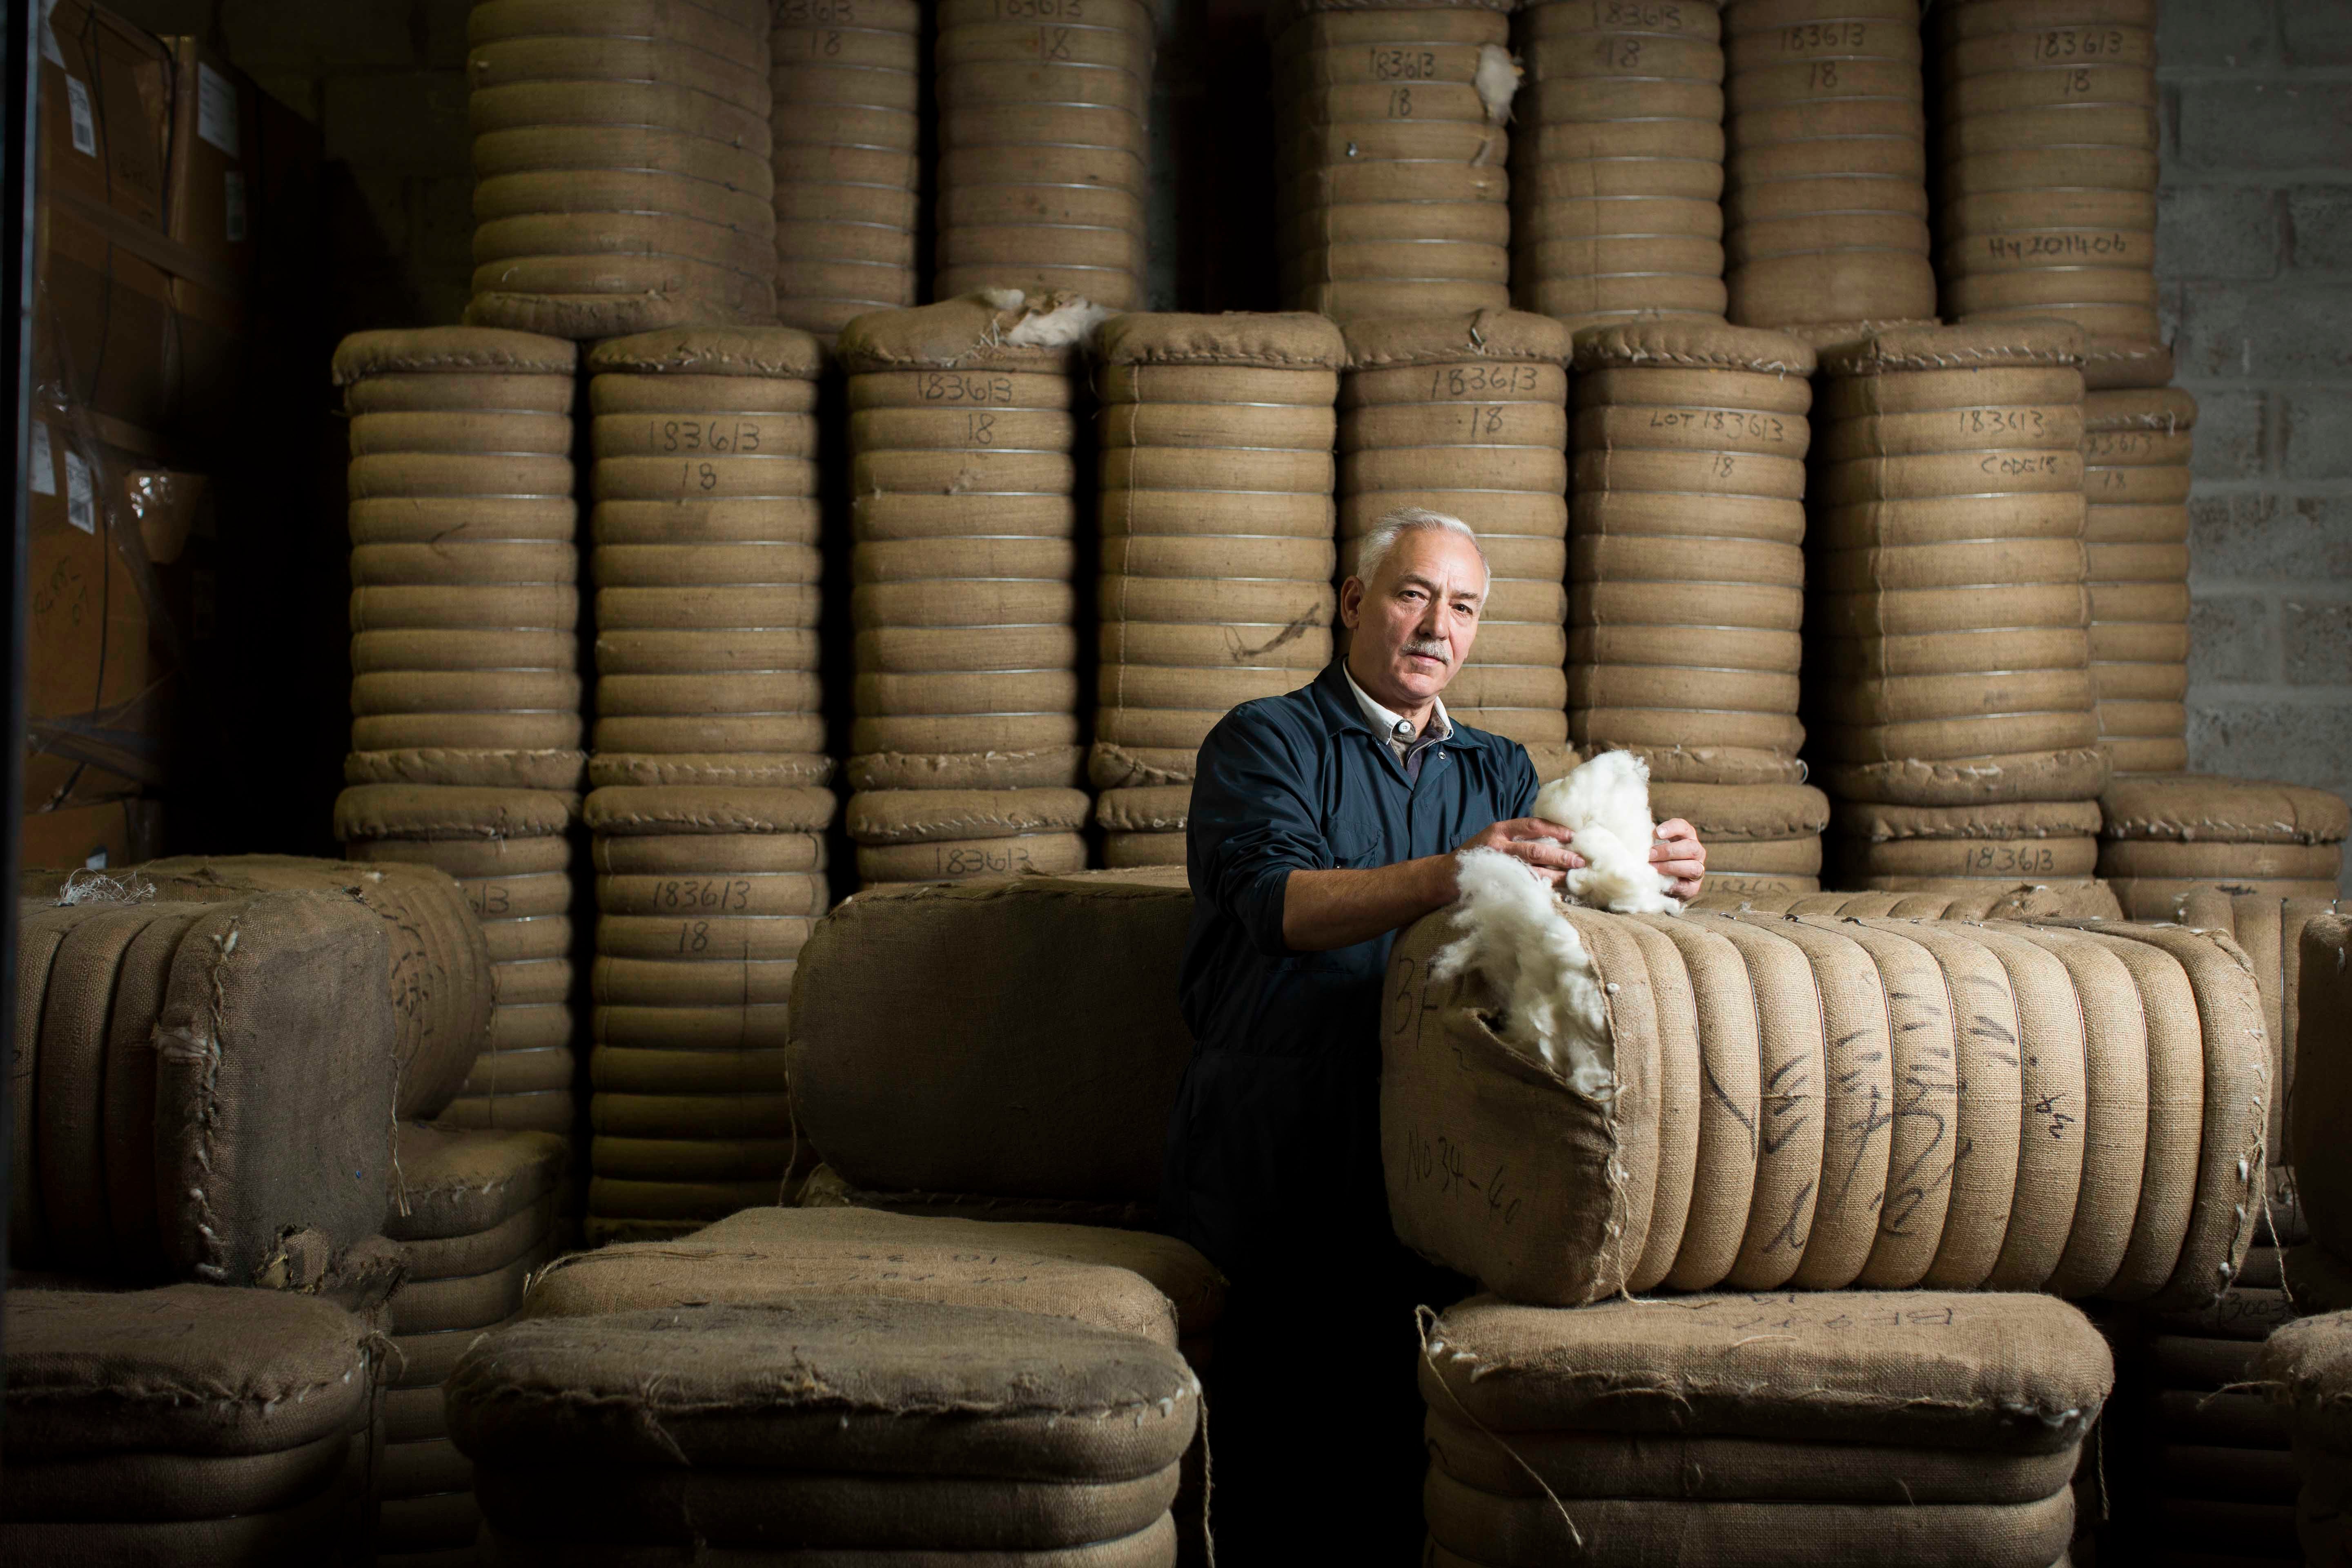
(995, 1096)
(2191, 808)
(1461, 1110)
(187, 1369)
(441, 975)
(1127, 1281)
(636, 1394)
(2017, 902)
(450, 1183)
(825, 1189)
(2322, 1080)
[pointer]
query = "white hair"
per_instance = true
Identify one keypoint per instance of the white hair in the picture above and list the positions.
(1405, 519)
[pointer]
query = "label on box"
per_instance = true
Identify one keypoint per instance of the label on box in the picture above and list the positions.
(45, 467)
(85, 125)
(81, 495)
(216, 108)
(49, 50)
(95, 862)
(233, 205)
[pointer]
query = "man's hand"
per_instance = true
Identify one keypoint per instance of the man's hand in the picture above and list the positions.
(1679, 853)
(1540, 846)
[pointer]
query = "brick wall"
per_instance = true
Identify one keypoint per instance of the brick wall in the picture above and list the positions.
(2256, 253)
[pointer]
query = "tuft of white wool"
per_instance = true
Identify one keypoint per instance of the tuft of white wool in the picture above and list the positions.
(1003, 298)
(1605, 806)
(1059, 329)
(1515, 934)
(94, 886)
(1497, 79)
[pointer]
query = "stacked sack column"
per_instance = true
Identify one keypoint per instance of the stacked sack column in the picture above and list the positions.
(510, 851)
(1825, 199)
(1618, 182)
(1215, 434)
(467, 723)
(2166, 834)
(704, 896)
(2135, 539)
(1044, 147)
(1954, 720)
(1468, 416)
(2047, 155)
(706, 525)
(847, 83)
(1392, 191)
(621, 165)
(1686, 575)
(965, 748)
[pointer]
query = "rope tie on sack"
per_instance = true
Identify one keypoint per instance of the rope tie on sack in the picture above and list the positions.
(1424, 1317)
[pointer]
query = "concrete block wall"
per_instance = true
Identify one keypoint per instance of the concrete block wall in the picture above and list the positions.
(2255, 252)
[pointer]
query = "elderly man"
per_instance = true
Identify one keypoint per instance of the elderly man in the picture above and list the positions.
(1321, 823)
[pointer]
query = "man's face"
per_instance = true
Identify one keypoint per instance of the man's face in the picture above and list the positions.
(1414, 622)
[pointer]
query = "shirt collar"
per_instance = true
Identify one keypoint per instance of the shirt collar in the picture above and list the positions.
(1391, 726)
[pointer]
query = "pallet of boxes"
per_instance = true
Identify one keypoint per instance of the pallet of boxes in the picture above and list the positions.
(157, 165)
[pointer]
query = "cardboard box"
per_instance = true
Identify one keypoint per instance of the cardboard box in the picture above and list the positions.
(216, 159)
(110, 834)
(106, 111)
(99, 689)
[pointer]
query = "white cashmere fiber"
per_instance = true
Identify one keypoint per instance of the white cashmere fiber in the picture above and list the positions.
(1514, 935)
(1605, 806)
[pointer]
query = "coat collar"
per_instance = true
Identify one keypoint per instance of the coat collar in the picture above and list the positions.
(1342, 712)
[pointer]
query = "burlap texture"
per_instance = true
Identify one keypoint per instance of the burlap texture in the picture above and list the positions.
(149, 1488)
(1154, 1546)
(1289, 340)
(1984, 345)
(2013, 1374)
(275, 1082)
(1127, 1281)
(1694, 345)
(438, 813)
(2078, 773)
(1500, 336)
(547, 770)
(776, 353)
(998, 1095)
(2323, 1084)
(1876, 824)
(1758, 813)
(1469, 1527)
(2201, 808)
(447, 1182)
(963, 333)
(634, 810)
(2023, 1154)
(841, 1386)
(473, 350)
(188, 1369)
(824, 1188)
(440, 970)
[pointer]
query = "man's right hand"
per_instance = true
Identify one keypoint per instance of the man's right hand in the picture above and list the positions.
(1541, 845)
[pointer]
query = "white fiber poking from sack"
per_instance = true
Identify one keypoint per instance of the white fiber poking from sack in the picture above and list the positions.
(1497, 79)
(1605, 806)
(1517, 937)
(1072, 321)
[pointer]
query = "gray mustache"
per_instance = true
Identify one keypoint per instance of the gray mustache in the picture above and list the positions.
(1431, 648)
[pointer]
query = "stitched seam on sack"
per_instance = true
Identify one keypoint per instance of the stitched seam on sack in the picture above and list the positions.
(188, 1051)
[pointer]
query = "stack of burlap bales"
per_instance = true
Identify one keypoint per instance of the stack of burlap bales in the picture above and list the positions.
(994, 1107)
(185, 1424)
(847, 84)
(669, 1427)
(2169, 834)
(2047, 163)
(1617, 178)
(2017, 902)
(2306, 1373)
(2136, 541)
(203, 1090)
(706, 525)
(2087, 1106)
(1465, 415)
(1825, 189)
(1215, 438)
(510, 851)
(472, 1215)
(1392, 195)
(704, 896)
(442, 982)
(465, 688)
(1951, 706)
(965, 753)
(1920, 1427)
(1044, 150)
(621, 165)
(1687, 580)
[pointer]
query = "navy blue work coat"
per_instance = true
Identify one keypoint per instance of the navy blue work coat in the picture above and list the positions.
(1274, 1143)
